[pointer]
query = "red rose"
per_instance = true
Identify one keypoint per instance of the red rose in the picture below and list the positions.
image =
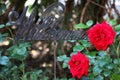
(101, 35)
(79, 65)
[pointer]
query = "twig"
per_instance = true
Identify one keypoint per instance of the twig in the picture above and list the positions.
(55, 60)
(109, 9)
(98, 5)
(84, 9)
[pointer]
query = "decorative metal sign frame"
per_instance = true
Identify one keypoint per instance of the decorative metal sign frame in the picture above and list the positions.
(46, 27)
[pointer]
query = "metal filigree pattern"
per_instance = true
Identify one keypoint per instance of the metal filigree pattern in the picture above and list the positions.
(46, 27)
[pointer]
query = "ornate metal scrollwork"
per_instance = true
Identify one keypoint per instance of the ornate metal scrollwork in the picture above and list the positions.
(46, 27)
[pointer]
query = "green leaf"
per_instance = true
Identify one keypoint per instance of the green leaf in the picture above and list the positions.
(117, 27)
(91, 75)
(4, 60)
(21, 67)
(33, 76)
(110, 66)
(61, 58)
(65, 60)
(107, 73)
(115, 76)
(115, 61)
(118, 33)
(2, 8)
(97, 70)
(78, 47)
(85, 78)
(108, 59)
(8, 24)
(99, 78)
(2, 25)
(74, 52)
(85, 43)
(24, 77)
(81, 26)
(38, 72)
(89, 23)
(113, 22)
(91, 59)
(19, 52)
(101, 62)
(64, 65)
(93, 53)
(14, 68)
(102, 54)
(26, 44)
(71, 41)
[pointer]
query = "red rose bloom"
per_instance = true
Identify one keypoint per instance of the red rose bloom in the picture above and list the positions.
(101, 35)
(79, 65)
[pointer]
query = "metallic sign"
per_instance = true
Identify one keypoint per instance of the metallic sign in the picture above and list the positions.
(46, 27)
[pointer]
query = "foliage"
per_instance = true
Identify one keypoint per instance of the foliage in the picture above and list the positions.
(9, 70)
(19, 51)
(84, 26)
(102, 64)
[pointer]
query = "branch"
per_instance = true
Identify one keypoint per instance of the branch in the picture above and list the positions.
(98, 5)
(83, 11)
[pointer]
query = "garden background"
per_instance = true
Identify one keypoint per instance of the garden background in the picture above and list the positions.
(33, 60)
